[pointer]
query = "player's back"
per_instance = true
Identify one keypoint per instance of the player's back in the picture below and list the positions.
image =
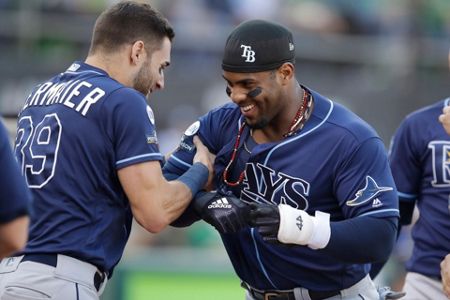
(65, 147)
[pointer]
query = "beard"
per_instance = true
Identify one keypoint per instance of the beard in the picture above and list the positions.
(143, 80)
(259, 124)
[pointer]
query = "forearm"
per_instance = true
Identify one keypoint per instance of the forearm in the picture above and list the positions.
(153, 212)
(13, 235)
(156, 202)
(362, 239)
(189, 215)
(194, 179)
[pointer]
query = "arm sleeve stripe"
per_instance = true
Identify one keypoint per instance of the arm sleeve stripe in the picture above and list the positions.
(137, 157)
(185, 164)
(397, 212)
(407, 196)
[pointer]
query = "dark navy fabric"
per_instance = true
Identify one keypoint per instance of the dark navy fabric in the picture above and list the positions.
(420, 162)
(15, 198)
(74, 132)
(336, 164)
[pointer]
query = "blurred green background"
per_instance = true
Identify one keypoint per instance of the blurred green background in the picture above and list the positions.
(175, 273)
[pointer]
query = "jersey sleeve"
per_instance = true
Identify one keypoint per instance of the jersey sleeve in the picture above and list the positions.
(208, 130)
(15, 199)
(364, 184)
(131, 127)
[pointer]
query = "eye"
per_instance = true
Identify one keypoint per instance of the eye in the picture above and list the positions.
(248, 85)
(228, 91)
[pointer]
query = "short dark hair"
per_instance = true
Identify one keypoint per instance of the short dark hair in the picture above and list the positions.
(127, 22)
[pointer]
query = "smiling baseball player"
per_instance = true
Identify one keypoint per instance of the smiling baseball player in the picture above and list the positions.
(310, 177)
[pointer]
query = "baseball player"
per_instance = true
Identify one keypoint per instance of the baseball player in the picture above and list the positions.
(15, 200)
(444, 118)
(310, 177)
(419, 161)
(87, 145)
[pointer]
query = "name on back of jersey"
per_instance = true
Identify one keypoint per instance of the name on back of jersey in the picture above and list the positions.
(66, 93)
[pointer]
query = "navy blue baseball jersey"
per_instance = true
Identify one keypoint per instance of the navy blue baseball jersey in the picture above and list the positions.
(14, 195)
(420, 163)
(74, 132)
(335, 164)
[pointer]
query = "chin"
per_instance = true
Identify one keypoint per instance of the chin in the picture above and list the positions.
(257, 124)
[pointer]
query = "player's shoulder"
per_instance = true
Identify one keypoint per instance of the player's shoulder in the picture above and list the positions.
(123, 94)
(81, 71)
(126, 102)
(342, 121)
(223, 114)
(427, 113)
(227, 109)
(422, 125)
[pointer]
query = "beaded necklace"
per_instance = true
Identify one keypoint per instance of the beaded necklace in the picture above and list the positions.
(297, 124)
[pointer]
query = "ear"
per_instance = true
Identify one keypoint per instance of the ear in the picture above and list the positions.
(138, 53)
(286, 72)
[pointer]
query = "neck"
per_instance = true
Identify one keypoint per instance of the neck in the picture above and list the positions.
(289, 121)
(112, 65)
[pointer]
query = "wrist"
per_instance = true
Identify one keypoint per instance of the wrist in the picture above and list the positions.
(322, 231)
(297, 227)
(195, 177)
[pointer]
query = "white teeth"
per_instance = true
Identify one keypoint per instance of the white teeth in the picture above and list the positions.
(248, 107)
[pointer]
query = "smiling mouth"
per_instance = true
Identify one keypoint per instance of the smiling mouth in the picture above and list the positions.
(247, 108)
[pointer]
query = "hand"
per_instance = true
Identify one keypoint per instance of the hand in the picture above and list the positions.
(445, 274)
(282, 223)
(266, 218)
(227, 214)
(444, 118)
(205, 157)
(290, 225)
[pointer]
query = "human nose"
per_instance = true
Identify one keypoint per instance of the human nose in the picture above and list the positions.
(160, 82)
(236, 94)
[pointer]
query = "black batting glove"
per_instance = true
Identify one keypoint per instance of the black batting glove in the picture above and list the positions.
(227, 214)
(266, 218)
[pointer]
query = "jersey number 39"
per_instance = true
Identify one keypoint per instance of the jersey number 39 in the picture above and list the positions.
(36, 148)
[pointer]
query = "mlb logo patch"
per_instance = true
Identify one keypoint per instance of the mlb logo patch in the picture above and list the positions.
(74, 67)
(152, 139)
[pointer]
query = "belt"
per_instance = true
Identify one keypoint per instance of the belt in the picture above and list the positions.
(52, 260)
(288, 295)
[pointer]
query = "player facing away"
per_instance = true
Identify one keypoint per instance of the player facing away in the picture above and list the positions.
(87, 145)
(15, 200)
(311, 178)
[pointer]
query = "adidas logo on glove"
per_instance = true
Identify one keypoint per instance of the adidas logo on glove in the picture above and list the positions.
(220, 203)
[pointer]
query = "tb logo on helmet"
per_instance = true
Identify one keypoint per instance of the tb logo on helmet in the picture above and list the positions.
(248, 53)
